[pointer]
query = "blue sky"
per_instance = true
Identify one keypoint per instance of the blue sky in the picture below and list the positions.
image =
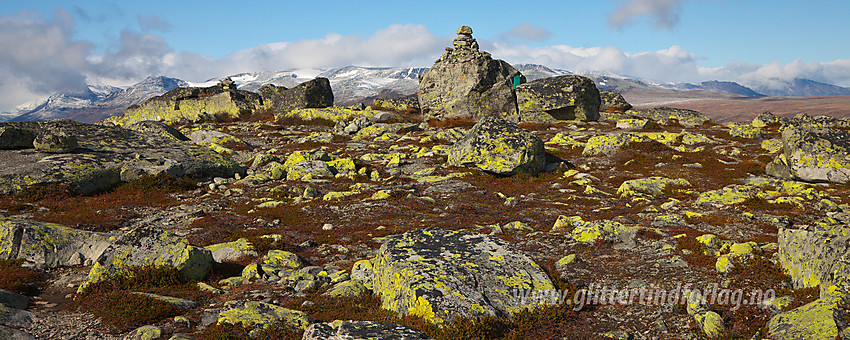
(48, 46)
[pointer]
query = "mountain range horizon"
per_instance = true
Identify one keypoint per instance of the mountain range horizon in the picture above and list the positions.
(357, 84)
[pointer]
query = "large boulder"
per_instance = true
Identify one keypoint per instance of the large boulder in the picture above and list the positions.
(315, 93)
(12, 137)
(822, 319)
(147, 245)
(105, 156)
(816, 256)
(667, 115)
(466, 82)
(501, 147)
(613, 102)
(566, 97)
(193, 104)
(403, 104)
(48, 245)
(814, 154)
(342, 330)
(440, 274)
(261, 315)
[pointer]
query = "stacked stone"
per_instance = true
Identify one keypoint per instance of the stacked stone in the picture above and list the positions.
(464, 40)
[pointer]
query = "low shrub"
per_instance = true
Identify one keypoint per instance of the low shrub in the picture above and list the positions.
(18, 279)
(125, 311)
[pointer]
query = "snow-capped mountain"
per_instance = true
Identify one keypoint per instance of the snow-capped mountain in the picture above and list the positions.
(352, 84)
(98, 102)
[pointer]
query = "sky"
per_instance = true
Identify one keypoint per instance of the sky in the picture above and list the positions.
(50, 46)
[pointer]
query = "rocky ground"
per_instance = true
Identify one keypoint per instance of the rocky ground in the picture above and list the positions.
(655, 212)
(273, 216)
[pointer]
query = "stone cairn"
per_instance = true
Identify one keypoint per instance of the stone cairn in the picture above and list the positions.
(464, 44)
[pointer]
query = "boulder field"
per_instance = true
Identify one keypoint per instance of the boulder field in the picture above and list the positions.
(301, 220)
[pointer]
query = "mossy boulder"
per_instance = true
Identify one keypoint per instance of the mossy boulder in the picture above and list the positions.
(315, 93)
(404, 104)
(824, 318)
(158, 128)
(567, 97)
(610, 144)
(148, 245)
(651, 186)
(232, 251)
(48, 245)
(466, 82)
(745, 131)
(55, 142)
(813, 154)
(439, 275)
(816, 256)
(501, 147)
(731, 195)
(12, 137)
(106, 156)
(192, 104)
(592, 231)
(667, 116)
(261, 315)
(339, 329)
(765, 119)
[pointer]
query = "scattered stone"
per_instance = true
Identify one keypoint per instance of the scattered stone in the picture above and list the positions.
(651, 186)
(231, 251)
(144, 333)
(13, 334)
(498, 146)
(339, 330)
(438, 287)
(567, 97)
(347, 289)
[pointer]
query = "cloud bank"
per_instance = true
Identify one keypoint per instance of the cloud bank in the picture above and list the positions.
(38, 57)
(662, 13)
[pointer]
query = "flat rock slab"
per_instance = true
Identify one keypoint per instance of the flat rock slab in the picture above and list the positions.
(565, 97)
(441, 274)
(104, 157)
(361, 330)
(49, 245)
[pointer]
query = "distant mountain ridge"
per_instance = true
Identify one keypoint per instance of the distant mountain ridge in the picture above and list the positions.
(352, 84)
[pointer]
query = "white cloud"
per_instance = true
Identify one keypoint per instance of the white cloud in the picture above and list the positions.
(663, 13)
(525, 32)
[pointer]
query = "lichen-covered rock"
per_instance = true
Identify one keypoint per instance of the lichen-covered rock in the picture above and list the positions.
(284, 258)
(816, 256)
(710, 323)
(498, 146)
(667, 115)
(613, 102)
(465, 82)
(566, 97)
(610, 144)
(361, 330)
(144, 333)
(315, 93)
(54, 142)
(148, 245)
(746, 131)
(347, 289)
(765, 119)
(731, 195)
(12, 138)
(260, 315)
(106, 156)
(405, 104)
(814, 155)
(591, 231)
(651, 186)
(822, 319)
(48, 245)
(439, 274)
(193, 104)
(158, 128)
(232, 251)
